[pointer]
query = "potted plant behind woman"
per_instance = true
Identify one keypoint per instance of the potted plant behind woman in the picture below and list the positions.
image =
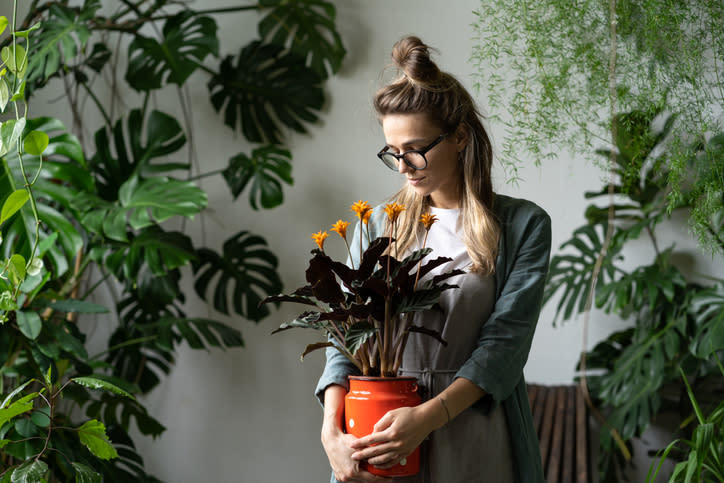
(363, 311)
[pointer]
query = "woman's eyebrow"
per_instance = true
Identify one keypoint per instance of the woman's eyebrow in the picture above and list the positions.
(408, 142)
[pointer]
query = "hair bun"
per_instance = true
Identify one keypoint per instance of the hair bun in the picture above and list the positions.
(412, 56)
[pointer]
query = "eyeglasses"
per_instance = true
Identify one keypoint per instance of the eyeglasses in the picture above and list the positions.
(414, 158)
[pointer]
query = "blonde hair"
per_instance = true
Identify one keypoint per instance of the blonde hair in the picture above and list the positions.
(423, 88)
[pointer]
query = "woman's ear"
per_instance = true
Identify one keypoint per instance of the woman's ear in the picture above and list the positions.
(461, 137)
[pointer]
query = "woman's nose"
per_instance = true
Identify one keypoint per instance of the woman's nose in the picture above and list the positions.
(402, 166)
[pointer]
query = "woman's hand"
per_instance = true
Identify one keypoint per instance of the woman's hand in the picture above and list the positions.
(397, 434)
(337, 445)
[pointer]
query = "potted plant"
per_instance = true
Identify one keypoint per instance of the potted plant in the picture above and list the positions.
(363, 310)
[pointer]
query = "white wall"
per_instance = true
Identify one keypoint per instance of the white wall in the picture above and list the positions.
(248, 415)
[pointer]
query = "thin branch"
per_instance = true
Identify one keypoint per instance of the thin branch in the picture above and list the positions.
(609, 236)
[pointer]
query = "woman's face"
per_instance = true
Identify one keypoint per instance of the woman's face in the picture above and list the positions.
(439, 180)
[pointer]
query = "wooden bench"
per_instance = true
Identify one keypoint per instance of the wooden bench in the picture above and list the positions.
(560, 417)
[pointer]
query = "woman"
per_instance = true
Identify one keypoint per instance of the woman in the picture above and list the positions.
(475, 423)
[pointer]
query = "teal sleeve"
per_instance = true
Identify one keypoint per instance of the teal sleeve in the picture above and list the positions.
(496, 364)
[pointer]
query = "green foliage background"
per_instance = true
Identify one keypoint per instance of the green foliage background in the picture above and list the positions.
(544, 67)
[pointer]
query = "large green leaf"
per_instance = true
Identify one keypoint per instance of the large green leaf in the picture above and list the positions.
(85, 474)
(638, 366)
(32, 471)
(648, 288)
(21, 406)
(198, 333)
(246, 264)
(572, 272)
(20, 236)
(105, 383)
(29, 323)
(159, 250)
(118, 412)
(187, 40)
(158, 199)
(63, 36)
(10, 132)
(267, 168)
(143, 140)
(308, 27)
(93, 435)
(13, 203)
(142, 203)
(707, 308)
(265, 89)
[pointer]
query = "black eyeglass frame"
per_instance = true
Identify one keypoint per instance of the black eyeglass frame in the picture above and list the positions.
(401, 156)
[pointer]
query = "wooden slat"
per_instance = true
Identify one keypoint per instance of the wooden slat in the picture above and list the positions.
(546, 430)
(581, 438)
(532, 394)
(554, 461)
(539, 408)
(561, 423)
(569, 441)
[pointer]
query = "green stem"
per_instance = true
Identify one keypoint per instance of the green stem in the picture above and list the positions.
(206, 175)
(650, 231)
(72, 281)
(94, 286)
(132, 26)
(98, 104)
(127, 343)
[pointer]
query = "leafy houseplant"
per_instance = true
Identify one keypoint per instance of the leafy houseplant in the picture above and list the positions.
(677, 322)
(705, 461)
(364, 310)
(84, 218)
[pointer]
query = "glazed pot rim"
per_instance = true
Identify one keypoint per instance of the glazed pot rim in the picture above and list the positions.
(380, 378)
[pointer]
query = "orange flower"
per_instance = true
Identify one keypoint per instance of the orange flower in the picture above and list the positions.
(366, 217)
(341, 228)
(427, 220)
(319, 238)
(393, 211)
(362, 208)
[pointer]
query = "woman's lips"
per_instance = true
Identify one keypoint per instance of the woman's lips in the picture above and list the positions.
(415, 181)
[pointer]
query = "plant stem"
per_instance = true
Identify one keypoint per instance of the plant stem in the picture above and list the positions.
(98, 104)
(650, 231)
(127, 343)
(419, 264)
(609, 234)
(206, 175)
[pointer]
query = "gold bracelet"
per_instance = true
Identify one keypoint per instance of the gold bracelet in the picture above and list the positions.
(444, 406)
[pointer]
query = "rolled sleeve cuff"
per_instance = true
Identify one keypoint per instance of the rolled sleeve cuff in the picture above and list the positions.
(335, 372)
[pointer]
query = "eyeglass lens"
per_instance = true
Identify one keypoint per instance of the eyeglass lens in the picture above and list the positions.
(413, 159)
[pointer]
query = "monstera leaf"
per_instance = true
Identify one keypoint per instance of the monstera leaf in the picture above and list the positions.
(198, 333)
(187, 40)
(141, 204)
(707, 308)
(163, 136)
(572, 273)
(631, 389)
(263, 168)
(63, 35)
(264, 89)
(248, 265)
(159, 250)
(308, 26)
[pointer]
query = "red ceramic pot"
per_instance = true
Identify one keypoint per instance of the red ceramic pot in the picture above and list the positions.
(368, 399)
